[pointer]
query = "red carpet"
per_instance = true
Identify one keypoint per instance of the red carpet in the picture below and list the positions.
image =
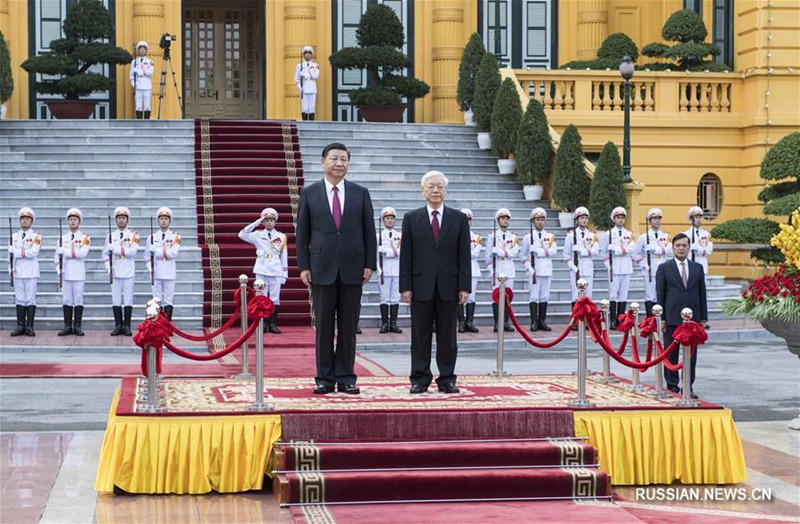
(241, 168)
(50, 369)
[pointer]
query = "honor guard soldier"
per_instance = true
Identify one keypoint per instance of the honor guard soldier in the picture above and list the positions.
(142, 70)
(580, 247)
(71, 267)
(23, 264)
(701, 245)
(119, 257)
(160, 252)
(538, 250)
(502, 247)
(618, 249)
(389, 271)
(466, 313)
(272, 264)
(305, 78)
(653, 248)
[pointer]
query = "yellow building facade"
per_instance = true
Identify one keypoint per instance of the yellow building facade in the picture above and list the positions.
(696, 138)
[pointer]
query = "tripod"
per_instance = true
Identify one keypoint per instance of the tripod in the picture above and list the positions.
(163, 83)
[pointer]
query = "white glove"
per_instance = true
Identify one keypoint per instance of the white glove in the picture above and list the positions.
(529, 269)
(283, 280)
(607, 264)
(651, 248)
(299, 89)
(498, 251)
(108, 267)
(584, 252)
(572, 267)
(644, 266)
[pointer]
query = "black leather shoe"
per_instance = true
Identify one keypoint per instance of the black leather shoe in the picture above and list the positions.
(416, 389)
(322, 389)
(692, 394)
(350, 389)
(448, 388)
(674, 389)
(358, 329)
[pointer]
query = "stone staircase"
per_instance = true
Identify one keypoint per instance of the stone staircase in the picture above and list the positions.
(98, 165)
(390, 159)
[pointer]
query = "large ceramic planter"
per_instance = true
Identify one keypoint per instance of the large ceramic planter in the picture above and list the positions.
(790, 332)
(71, 109)
(3, 112)
(484, 141)
(382, 113)
(506, 166)
(565, 220)
(469, 118)
(533, 192)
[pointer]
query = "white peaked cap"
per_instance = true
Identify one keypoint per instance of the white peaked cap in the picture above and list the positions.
(388, 210)
(619, 210)
(538, 212)
(122, 210)
(269, 212)
(26, 212)
(307, 48)
(654, 212)
(164, 210)
(502, 212)
(694, 210)
(467, 211)
(143, 44)
(580, 212)
(74, 211)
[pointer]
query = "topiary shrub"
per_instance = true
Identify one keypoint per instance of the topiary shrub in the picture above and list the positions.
(487, 83)
(6, 81)
(571, 185)
(506, 116)
(380, 37)
(467, 69)
(534, 152)
(609, 56)
(686, 28)
(86, 26)
(781, 199)
(608, 189)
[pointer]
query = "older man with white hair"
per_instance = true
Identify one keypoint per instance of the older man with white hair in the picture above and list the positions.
(435, 278)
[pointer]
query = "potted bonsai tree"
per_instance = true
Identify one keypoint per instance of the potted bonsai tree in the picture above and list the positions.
(487, 83)
(571, 185)
(380, 37)
(614, 48)
(534, 150)
(71, 58)
(687, 29)
(467, 69)
(6, 81)
(506, 116)
(608, 188)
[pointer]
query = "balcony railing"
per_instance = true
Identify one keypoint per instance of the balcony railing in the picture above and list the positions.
(602, 91)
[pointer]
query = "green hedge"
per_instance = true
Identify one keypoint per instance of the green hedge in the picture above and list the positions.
(6, 80)
(506, 116)
(487, 83)
(571, 185)
(608, 189)
(534, 146)
(467, 69)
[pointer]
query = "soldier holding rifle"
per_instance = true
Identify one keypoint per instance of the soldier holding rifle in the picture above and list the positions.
(73, 247)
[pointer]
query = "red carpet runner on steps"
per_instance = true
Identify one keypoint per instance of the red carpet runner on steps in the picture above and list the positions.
(241, 167)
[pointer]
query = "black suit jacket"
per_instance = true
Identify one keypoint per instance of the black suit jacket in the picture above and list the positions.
(673, 297)
(327, 252)
(426, 265)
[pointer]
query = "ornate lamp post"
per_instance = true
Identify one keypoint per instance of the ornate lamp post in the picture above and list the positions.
(626, 69)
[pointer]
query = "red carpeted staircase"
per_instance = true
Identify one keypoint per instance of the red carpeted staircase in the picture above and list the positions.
(241, 168)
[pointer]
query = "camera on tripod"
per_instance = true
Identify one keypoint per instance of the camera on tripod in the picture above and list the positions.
(166, 41)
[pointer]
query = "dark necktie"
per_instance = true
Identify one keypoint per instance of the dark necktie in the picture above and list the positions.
(23, 236)
(337, 208)
(72, 237)
(684, 276)
(540, 235)
(620, 233)
(435, 226)
(390, 235)
(120, 235)
(162, 236)
(269, 235)
(583, 234)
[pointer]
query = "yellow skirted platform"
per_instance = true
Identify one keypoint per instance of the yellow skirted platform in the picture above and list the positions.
(186, 454)
(659, 447)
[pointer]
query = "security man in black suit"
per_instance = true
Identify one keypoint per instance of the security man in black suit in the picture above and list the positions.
(435, 278)
(336, 255)
(680, 283)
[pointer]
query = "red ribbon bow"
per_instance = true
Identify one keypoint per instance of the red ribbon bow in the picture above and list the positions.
(647, 327)
(626, 322)
(496, 295)
(153, 333)
(260, 306)
(587, 311)
(690, 334)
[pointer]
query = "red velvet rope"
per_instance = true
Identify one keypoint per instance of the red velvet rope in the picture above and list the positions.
(219, 354)
(496, 295)
(527, 337)
(641, 366)
(208, 336)
(152, 334)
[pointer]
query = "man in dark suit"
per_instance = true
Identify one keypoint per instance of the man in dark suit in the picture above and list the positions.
(435, 278)
(680, 283)
(336, 255)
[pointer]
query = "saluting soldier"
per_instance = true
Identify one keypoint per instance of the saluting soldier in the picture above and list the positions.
(71, 267)
(142, 70)
(580, 247)
(466, 313)
(537, 257)
(23, 262)
(163, 246)
(503, 246)
(653, 248)
(618, 249)
(119, 257)
(389, 271)
(272, 264)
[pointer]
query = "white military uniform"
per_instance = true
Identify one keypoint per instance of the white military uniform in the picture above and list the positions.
(272, 264)
(121, 249)
(657, 243)
(25, 248)
(165, 246)
(475, 246)
(389, 249)
(584, 243)
(618, 248)
(505, 248)
(142, 70)
(306, 74)
(541, 251)
(74, 248)
(701, 248)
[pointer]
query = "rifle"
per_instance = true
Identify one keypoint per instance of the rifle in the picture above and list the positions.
(647, 243)
(10, 251)
(610, 258)
(110, 253)
(380, 245)
(575, 252)
(152, 255)
(692, 246)
(60, 256)
(531, 254)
